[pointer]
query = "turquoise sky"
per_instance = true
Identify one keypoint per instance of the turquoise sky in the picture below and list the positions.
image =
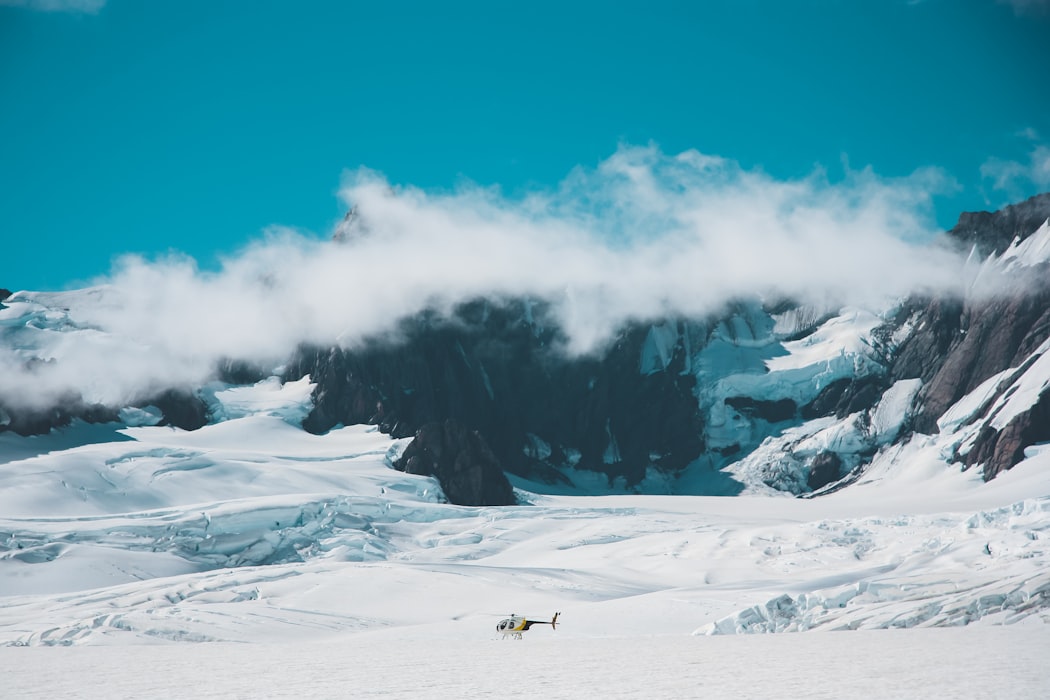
(154, 125)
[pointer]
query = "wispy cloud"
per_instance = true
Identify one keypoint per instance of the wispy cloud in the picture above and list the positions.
(90, 7)
(1014, 176)
(1027, 7)
(641, 236)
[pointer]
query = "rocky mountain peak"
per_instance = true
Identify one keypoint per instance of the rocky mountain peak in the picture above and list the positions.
(992, 232)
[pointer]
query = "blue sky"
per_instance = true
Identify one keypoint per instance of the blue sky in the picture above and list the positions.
(144, 127)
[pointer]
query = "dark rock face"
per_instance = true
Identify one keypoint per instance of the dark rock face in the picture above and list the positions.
(180, 408)
(239, 372)
(825, 469)
(492, 370)
(771, 411)
(844, 396)
(1000, 450)
(468, 471)
(39, 421)
(923, 353)
(992, 336)
(992, 232)
(958, 345)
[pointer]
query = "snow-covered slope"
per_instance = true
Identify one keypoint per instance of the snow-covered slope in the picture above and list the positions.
(336, 575)
(253, 530)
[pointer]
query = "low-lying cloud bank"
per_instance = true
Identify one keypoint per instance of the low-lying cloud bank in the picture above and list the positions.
(643, 235)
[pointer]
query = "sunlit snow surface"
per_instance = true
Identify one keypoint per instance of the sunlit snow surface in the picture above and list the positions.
(334, 572)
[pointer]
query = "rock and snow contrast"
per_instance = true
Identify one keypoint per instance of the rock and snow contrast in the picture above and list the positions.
(777, 467)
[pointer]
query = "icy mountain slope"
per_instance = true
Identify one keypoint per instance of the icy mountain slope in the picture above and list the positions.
(665, 396)
(969, 372)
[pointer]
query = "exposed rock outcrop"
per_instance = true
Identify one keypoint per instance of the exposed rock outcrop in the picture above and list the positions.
(844, 396)
(466, 468)
(180, 408)
(992, 232)
(772, 411)
(999, 450)
(497, 369)
(957, 345)
(990, 337)
(25, 420)
(825, 469)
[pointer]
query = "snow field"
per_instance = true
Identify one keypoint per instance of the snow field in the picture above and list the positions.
(971, 662)
(270, 556)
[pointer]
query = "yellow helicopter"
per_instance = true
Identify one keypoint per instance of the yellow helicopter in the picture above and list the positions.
(514, 625)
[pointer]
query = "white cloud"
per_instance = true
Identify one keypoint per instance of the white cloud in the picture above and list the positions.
(1029, 133)
(641, 236)
(1011, 176)
(90, 7)
(1023, 7)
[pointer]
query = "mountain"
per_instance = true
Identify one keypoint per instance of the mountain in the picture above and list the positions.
(888, 470)
(766, 394)
(672, 404)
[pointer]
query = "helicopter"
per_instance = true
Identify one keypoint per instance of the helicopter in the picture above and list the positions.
(514, 625)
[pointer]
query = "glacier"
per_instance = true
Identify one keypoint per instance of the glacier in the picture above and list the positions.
(251, 545)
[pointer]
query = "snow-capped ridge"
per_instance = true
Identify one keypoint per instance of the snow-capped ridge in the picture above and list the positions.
(1033, 250)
